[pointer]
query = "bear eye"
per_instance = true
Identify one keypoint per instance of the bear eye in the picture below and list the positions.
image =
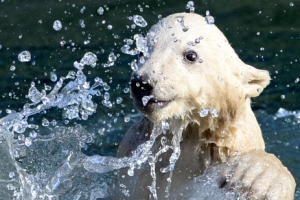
(190, 56)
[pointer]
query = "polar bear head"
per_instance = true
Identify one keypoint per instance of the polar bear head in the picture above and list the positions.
(188, 70)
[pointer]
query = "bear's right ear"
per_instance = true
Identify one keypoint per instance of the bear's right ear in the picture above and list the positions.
(255, 80)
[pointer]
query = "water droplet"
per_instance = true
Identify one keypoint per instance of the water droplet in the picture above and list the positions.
(106, 87)
(119, 100)
(134, 66)
(33, 134)
(81, 23)
(139, 20)
(45, 122)
(62, 43)
(57, 25)
(180, 19)
(165, 126)
(12, 68)
(214, 113)
(112, 57)
(24, 56)
(209, 19)
(203, 112)
(109, 27)
(34, 95)
(106, 96)
(11, 174)
(190, 6)
(28, 141)
(197, 40)
(20, 126)
(89, 59)
(145, 99)
(100, 11)
(53, 77)
(126, 90)
(126, 119)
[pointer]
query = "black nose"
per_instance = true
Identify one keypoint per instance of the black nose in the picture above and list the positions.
(140, 88)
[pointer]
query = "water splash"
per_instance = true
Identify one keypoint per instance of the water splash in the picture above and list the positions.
(31, 181)
(285, 113)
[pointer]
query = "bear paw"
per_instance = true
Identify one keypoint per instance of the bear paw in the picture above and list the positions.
(257, 175)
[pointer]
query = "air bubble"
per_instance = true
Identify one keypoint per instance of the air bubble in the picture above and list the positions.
(291, 4)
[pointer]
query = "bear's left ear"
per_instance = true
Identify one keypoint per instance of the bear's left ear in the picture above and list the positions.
(255, 80)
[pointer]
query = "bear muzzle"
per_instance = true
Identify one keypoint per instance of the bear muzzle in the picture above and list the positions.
(144, 97)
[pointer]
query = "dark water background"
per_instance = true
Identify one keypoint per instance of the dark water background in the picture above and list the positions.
(265, 34)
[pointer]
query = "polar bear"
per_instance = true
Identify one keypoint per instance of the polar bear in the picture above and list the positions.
(190, 78)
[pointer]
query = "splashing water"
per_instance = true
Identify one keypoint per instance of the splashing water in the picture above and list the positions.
(23, 152)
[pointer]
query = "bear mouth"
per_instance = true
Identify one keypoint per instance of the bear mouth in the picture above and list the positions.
(151, 105)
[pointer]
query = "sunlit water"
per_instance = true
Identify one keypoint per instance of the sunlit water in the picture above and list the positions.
(46, 160)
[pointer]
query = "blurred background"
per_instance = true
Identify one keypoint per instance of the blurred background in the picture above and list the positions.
(264, 34)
